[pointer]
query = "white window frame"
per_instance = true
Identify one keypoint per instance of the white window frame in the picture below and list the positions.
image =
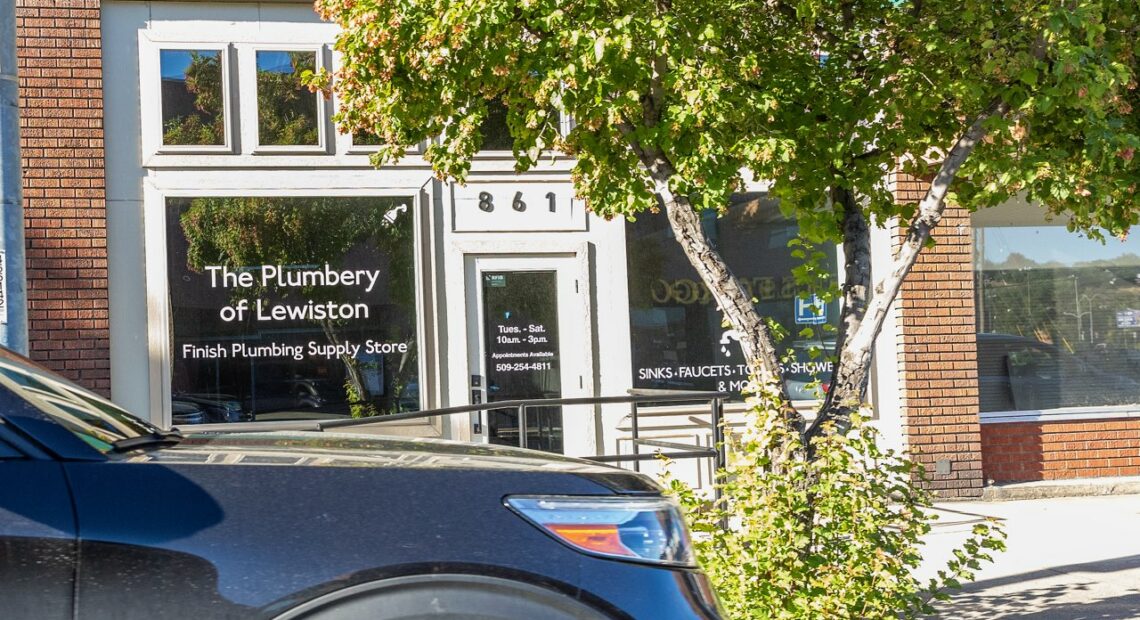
(1029, 214)
(150, 86)
(247, 85)
(159, 317)
(352, 148)
(1063, 414)
(364, 149)
(564, 126)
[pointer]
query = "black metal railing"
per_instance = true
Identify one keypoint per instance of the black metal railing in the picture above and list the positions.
(636, 399)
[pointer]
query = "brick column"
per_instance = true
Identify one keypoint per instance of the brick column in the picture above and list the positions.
(61, 139)
(938, 354)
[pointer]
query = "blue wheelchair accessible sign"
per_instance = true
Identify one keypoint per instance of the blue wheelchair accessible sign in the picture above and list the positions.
(810, 310)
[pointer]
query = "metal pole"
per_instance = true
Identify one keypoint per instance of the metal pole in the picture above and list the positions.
(1077, 302)
(721, 460)
(522, 426)
(636, 434)
(13, 310)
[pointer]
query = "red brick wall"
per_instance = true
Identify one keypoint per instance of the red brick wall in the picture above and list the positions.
(61, 138)
(1023, 451)
(938, 354)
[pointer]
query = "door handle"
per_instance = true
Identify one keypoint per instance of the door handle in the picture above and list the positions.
(476, 416)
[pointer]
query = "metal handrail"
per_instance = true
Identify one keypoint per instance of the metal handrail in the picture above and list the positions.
(634, 399)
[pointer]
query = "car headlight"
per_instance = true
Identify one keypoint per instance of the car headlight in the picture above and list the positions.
(645, 529)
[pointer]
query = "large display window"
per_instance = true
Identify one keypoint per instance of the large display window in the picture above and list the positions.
(1058, 315)
(677, 333)
(291, 307)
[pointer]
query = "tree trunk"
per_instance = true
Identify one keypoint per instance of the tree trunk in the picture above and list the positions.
(849, 380)
(351, 367)
(861, 317)
(756, 341)
(849, 383)
(755, 338)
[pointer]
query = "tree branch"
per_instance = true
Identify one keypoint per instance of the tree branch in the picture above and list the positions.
(857, 278)
(654, 103)
(849, 388)
(756, 340)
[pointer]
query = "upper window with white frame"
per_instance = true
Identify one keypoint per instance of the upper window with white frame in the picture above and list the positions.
(191, 84)
(193, 97)
(288, 113)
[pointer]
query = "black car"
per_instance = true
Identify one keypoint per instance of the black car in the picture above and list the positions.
(183, 412)
(219, 408)
(105, 516)
(296, 394)
(1017, 373)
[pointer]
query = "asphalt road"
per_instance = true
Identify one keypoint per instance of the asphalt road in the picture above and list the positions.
(1075, 558)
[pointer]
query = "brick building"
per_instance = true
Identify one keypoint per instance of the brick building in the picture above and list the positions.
(61, 128)
(1011, 354)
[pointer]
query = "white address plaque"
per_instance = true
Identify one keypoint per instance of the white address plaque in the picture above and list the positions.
(516, 207)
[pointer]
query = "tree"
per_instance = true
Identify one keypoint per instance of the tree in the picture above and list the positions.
(287, 111)
(839, 536)
(203, 122)
(673, 101)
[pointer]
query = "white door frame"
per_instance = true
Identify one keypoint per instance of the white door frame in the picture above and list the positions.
(572, 264)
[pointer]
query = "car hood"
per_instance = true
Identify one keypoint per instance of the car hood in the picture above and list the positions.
(323, 449)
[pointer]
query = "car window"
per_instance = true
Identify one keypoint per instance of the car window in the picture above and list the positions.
(1033, 361)
(92, 418)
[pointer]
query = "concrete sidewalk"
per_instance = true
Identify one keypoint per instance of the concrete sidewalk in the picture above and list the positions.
(1068, 558)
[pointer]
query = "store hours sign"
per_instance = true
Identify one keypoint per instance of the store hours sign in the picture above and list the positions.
(516, 207)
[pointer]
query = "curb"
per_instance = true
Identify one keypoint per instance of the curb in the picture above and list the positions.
(1061, 488)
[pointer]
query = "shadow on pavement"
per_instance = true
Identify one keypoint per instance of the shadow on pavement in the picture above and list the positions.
(1070, 592)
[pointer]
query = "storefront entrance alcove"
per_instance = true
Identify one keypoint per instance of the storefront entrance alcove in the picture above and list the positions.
(529, 338)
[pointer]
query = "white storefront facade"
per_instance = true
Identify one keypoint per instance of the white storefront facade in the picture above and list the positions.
(442, 295)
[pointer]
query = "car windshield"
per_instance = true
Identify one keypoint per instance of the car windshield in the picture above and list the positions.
(92, 418)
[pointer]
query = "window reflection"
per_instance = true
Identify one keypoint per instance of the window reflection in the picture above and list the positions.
(286, 109)
(678, 341)
(92, 418)
(289, 307)
(192, 97)
(496, 134)
(520, 331)
(1058, 319)
(365, 138)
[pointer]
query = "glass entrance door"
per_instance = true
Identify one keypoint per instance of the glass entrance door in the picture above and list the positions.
(520, 355)
(524, 314)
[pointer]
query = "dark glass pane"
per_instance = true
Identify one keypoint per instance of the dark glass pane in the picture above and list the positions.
(292, 307)
(286, 109)
(1058, 319)
(366, 139)
(678, 341)
(496, 135)
(520, 310)
(192, 97)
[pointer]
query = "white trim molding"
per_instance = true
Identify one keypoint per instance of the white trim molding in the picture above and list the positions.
(1065, 414)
